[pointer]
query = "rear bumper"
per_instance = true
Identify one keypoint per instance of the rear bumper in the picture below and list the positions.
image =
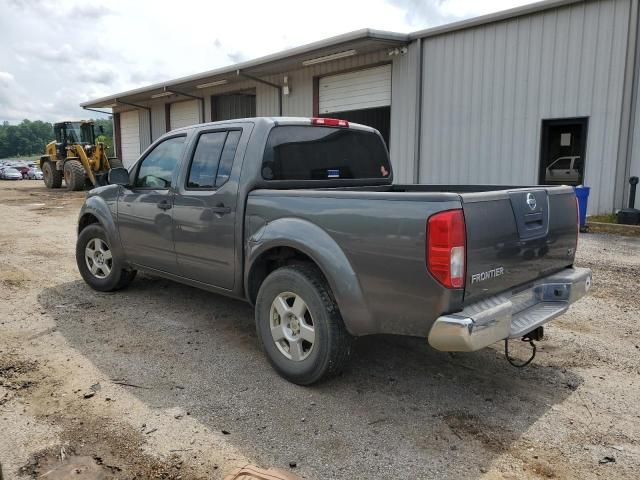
(510, 314)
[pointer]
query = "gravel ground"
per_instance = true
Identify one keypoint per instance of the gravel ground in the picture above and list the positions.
(177, 386)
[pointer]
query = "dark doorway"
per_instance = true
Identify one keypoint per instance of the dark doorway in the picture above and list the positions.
(234, 105)
(563, 151)
(378, 118)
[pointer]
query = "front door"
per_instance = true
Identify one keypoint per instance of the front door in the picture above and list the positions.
(145, 209)
(204, 210)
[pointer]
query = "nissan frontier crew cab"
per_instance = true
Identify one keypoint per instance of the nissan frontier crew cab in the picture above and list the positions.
(301, 218)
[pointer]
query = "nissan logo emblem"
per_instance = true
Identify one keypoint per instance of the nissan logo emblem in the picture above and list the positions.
(531, 201)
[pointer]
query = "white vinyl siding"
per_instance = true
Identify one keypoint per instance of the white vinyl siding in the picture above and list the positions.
(129, 137)
(369, 88)
(184, 114)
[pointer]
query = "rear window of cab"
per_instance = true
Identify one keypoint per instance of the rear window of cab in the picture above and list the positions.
(300, 152)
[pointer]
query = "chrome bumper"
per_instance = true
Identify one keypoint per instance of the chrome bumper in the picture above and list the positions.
(510, 314)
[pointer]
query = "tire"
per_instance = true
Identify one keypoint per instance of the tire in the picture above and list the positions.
(52, 177)
(74, 175)
(108, 272)
(300, 361)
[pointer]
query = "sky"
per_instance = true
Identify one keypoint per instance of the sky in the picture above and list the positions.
(55, 54)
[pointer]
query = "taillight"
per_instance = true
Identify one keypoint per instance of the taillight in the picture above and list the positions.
(446, 252)
(329, 122)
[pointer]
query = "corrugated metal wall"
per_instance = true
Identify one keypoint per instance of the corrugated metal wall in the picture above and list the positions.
(634, 168)
(404, 115)
(145, 128)
(158, 120)
(487, 89)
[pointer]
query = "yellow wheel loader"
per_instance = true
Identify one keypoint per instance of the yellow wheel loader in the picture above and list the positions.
(75, 156)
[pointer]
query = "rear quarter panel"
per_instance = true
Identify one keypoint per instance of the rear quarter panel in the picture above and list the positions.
(382, 237)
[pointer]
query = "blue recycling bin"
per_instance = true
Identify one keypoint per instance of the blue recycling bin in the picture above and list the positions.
(582, 194)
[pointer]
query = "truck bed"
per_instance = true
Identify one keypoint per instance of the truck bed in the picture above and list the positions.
(382, 231)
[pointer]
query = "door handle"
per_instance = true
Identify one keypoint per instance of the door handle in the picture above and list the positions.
(221, 209)
(164, 205)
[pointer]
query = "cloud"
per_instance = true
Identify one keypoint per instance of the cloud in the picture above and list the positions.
(236, 57)
(5, 79)
(63, 52)
(426, 13)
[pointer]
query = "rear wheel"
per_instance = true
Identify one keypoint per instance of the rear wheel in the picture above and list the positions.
(300, 326)
(74, 175)
(99, 267)
(52, 177)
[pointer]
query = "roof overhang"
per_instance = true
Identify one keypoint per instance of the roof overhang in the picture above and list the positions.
(360, 42)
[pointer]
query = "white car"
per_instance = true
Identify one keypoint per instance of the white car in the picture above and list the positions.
(9, 173)
(564, 170)
(34, 173)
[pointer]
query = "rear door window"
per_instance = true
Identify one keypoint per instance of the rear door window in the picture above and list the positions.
(204, 164)
(213, 159)
(299, 152)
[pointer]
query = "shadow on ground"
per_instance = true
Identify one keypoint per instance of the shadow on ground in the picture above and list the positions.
(400, 408)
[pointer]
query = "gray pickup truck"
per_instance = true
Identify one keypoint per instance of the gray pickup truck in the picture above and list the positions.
(300, 218)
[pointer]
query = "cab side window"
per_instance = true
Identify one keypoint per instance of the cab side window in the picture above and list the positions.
(213, 159)
(206, 158)
(156, 169)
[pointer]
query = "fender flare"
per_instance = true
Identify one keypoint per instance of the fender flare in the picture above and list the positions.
(97, 207)
(318, 245)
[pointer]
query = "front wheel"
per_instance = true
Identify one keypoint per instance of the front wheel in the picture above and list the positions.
(74, 175)
(99, 267)
(52, 177)
(299, 325)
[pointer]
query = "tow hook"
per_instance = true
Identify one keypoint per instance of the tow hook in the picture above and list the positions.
(534, 335)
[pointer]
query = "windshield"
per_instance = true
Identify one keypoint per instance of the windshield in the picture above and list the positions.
(298, 152)
(73, 132)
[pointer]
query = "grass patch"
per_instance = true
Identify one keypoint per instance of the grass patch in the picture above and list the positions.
(609, 218)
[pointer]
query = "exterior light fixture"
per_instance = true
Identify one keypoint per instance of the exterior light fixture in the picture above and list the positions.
(162, 94)
(212, 84)
(328, 58)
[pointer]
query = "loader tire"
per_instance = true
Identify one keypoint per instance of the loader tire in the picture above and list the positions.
(52, 177)
(74, 175)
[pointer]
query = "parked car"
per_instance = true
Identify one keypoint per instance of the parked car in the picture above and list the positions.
(300, 218)
(564, 170)
(10, 173)
(34, 173)
(20, 167)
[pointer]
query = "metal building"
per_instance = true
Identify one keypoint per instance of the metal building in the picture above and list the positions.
(545, 93)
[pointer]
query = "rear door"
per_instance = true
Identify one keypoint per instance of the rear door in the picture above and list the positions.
(517, 236)
(204, 209)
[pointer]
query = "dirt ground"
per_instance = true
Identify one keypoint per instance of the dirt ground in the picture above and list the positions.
(166, 381)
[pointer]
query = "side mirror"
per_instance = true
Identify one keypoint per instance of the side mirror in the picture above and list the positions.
(118, 176)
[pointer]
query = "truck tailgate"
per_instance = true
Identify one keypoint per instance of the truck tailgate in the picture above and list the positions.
(516, 236)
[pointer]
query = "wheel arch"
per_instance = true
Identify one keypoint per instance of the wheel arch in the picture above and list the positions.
(294, 240)
(96, 211)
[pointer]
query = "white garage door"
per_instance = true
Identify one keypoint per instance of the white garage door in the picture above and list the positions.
(357, 90)
(129, 137)
(184, 114)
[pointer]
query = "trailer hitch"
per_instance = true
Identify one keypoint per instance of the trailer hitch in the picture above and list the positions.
(534, 335)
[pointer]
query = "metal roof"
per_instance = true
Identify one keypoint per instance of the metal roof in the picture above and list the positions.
(363, 41)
